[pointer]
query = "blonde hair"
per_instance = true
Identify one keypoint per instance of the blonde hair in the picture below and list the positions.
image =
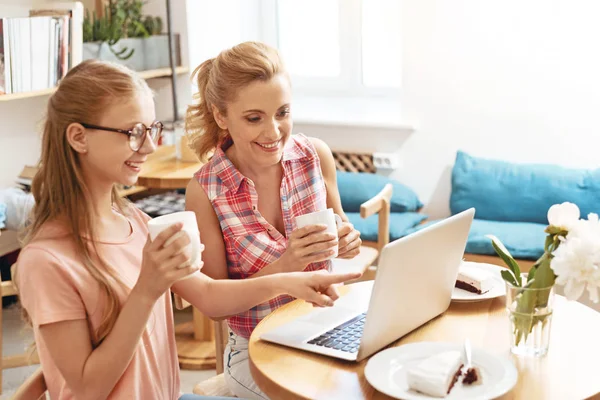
(219, 80)
(60, 192)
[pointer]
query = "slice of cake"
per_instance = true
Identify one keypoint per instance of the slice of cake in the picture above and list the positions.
(436, 375)
(474, 280)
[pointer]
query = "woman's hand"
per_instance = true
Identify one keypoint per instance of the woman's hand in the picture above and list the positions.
(318, 287)
(164, 262)
(308, 245)
(349, 242)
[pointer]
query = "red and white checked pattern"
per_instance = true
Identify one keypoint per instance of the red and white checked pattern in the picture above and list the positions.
(251, 243)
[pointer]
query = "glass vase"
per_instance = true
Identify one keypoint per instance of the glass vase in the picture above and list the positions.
(530, 319)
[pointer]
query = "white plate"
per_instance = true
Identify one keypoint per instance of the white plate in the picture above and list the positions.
(386, 372)
(497, 290)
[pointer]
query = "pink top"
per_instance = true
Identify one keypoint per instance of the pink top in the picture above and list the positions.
(251, 243)
(54, 286)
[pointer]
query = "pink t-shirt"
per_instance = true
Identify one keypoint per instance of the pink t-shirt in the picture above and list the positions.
(54, 286)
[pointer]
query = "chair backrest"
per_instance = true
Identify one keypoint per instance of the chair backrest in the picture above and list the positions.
(221, 339)
(34, 388)
(220, 333)
(380, 204)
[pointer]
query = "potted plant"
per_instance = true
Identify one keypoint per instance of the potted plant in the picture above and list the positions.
(124, 35)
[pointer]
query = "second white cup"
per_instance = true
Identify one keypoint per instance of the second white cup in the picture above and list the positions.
(325, 217)
(190, 227)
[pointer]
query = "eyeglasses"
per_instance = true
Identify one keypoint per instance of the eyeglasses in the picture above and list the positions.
(137, 134)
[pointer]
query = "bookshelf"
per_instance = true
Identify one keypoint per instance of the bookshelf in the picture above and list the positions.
(151, 74)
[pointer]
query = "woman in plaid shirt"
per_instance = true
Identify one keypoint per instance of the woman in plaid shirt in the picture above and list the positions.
(259, 178)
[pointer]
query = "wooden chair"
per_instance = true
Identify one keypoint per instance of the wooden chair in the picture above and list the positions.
(20, 360)
(34, 388)
(379, 204)
(214, 386)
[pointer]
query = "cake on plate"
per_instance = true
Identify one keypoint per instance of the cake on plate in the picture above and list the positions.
(436, 375)
(474, 280)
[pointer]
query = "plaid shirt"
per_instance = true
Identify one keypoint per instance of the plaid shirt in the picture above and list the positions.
(251, 243)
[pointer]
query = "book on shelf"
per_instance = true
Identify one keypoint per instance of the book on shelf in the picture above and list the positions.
(37, 51)
(74, 11)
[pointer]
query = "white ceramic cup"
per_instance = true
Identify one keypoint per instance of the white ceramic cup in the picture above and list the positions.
(325, 217)
(190, 227)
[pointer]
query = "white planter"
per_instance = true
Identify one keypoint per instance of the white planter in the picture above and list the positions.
(148, 53)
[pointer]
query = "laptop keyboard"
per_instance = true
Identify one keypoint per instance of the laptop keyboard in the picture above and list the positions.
(345, 337)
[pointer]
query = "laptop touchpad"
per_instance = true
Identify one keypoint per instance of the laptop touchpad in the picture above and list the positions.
(328, 316)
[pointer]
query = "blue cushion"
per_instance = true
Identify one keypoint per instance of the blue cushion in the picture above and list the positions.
(400, 223)
(524, 240)
(357, 187)
(502, 191)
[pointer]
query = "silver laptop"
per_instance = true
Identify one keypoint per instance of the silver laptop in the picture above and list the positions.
(413, 284)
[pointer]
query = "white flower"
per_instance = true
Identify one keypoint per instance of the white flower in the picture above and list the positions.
(589, 228)
(576, 263)
(563, 216)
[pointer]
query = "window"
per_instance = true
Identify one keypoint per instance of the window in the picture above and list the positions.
(310, 49)
(337, 47)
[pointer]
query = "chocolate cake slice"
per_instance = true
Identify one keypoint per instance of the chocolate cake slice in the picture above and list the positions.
(474, 280)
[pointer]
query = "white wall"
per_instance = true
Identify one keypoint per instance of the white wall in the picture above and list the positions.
(20, 119)
(514, 80)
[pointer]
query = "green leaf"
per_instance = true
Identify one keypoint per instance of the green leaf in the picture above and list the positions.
(508, 277)
(128, 55)
(544, 274)
(548, 243)
(529, 283)
(531, 274)
(120, 52)
(507, 258)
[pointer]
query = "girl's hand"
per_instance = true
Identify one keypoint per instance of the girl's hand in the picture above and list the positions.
(308, 245)
(164, 262)
(350, 241)
(318, 288)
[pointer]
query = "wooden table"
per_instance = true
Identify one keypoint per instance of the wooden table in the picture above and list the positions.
(163, 170)
(568, 371)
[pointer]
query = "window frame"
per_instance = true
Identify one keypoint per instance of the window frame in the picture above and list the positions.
(350, 81)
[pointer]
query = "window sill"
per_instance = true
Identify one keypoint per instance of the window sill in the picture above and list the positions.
(355, 112)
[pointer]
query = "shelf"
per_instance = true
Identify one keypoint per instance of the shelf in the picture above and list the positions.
(154, 73)
(26, 95)
(162, 72)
